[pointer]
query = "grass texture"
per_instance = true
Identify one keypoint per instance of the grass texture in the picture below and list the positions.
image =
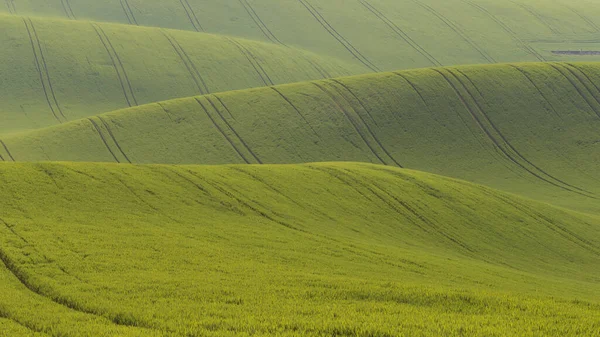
(531, 129)
(326, 249)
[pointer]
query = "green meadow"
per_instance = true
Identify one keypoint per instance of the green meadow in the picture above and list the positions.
(355, 168)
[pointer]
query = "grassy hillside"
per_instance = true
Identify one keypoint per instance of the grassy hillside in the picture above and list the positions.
(297, 250)
(54, 71)
(375, 34)
(531, 129)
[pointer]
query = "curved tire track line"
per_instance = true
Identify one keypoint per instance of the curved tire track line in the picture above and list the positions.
(190, 66)
(128, 11)
(10, 4)
(526, 47)
(68, 10)
(347, 45)
(573, 69)
(231, 127)
(223, 105)
(7, 151)
(125, 11)
(221, 131)
(350, 119)
(97, 128)
(252, 60)
(40, 66)
(26, 326)
(401, 33)
(340, 83)
(112, 59)
(289, 102)
(585, 18)
(457, 30)
(258, 22)
(539, 90)
(585, 98)
(518, 156)
(538, 16)
(189, 11)
(110, 133)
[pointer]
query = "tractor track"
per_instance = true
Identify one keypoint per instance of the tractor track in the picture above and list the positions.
(517, 157)
(10, 4)
(129, 12)
(110, 133)
(222, 132)
(573, 69)
(119, 69)
(585, 18)
(187, 61)
(99, 131)
(526, 47)
(340, 83)
(585, 98)
(7, 151)
(231, 127)
(224, 106)
(289, 102)
(354, 124)
(538, 16)
(43, 69)
(189, 11)
(68, 10)
(539, 90)
(345, 43)
(260, 71)
(401, 33)
(457, 30)
(259, 22)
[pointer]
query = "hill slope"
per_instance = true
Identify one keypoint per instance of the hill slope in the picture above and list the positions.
(531, 129)
(375, 34)
(54, 71)
(312, 250)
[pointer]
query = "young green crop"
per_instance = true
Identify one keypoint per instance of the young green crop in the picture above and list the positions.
(289, 250)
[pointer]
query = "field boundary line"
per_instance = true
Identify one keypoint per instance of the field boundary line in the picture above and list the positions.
(110, 133)
(289, 102)
(97, 128)
(184, 57)
(525, 46)
(253, 62)
(221, 131)
(231, 127)
(550, 178)
(400, 32)
(457, 30)
(189, 11)
(538, 16)
(112, 59)
(6, 149)
(350, 119)
(345, 43)
(539, 90)
(585, 98)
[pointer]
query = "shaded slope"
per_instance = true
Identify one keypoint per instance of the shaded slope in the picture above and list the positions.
(528, 128)
(54, 71)
(373, 34)
(293, 250)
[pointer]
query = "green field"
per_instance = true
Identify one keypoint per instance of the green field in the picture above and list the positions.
(326, 168)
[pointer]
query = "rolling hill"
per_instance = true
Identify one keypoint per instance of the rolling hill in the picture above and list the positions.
(293, 250)
(54, 70)
(531, 129)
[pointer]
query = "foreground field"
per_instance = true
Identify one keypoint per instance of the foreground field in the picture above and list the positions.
(531, 129)
(297, 250)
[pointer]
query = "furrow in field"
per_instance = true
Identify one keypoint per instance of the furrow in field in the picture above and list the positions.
(112, 59)
(259, 22)
(231, 127)
(538, 16)
(360, 117)
(7, 151)
(296, 109)
(398, 31)
(525, 46)
(223, 105)
(221, 131)
(119, 68)
(585, 18)
(42, 70)
(253, 61)
(11, 6)
(99, 131)
(189, 11)
(127, 8)
(587, 82)
(354, 124)
(511, 152)
(589, 102)
(322, 71)
(112, 136)
(26, 326)
(537, 88)
(340, 83)
(190, 66)
(345, 43)
(457, 30)
(68, 10)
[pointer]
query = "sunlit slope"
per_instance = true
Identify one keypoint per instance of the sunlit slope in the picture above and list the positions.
(374, 34)
(297, 250)
(531, 129)
(54, 71)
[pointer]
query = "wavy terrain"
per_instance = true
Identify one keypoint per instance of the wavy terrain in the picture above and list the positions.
(531, 129)
(286, 249)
